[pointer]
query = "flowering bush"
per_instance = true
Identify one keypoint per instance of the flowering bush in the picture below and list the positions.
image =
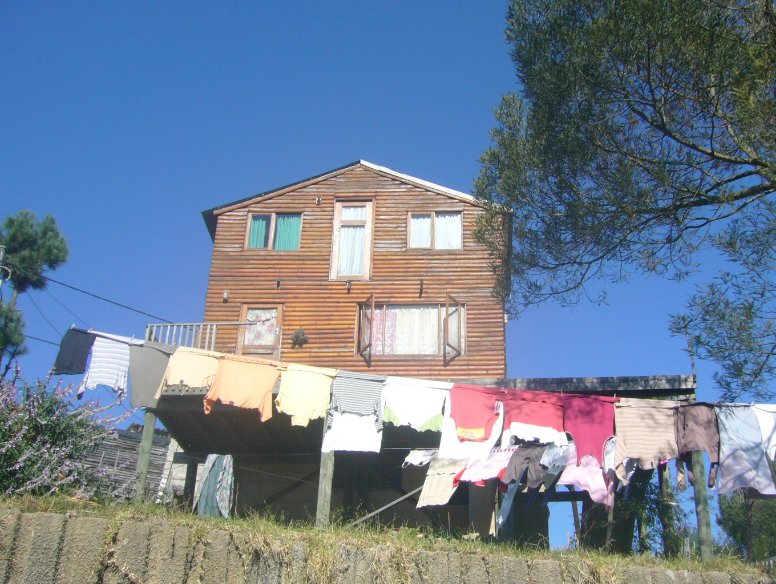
(44, 438)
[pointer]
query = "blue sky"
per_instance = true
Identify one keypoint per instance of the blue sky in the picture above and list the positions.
(126, 120)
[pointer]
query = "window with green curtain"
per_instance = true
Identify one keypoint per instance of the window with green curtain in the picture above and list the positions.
(258, 238)
(287, 231)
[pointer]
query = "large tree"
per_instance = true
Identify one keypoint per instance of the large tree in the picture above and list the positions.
(642, 132)
(29, 248)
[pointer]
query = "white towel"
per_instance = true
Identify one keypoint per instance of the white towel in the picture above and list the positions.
(109, 365)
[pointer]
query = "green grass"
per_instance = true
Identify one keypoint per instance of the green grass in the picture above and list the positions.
(265, 532)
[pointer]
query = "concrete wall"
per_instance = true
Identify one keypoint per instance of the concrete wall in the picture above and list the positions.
(41, 548)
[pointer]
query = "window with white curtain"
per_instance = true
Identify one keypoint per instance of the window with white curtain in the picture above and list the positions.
(436, 230)
(352, 241)
(410, 329)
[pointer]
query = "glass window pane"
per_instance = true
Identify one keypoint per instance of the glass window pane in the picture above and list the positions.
(354, 213)
(287, 232)
(447, 231)
(420, 230)
(258, 238)
(411, 330)
(351, 251)
(263, 332)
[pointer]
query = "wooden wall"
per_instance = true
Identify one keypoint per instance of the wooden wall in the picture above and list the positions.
(325, 309)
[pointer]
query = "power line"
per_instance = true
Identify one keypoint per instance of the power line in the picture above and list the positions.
(55, 299)
(26, 336)
(106, 299)
(35, 304)
(93, 295)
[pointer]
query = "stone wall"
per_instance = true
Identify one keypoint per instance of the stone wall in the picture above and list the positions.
(41, 548)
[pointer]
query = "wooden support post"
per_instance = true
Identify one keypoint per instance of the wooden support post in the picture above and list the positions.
(705, 540)
(575, 514)
(325, 480)
(144, 454)
(609, 526)
(190, 483)
(482, 509)
(666, 511)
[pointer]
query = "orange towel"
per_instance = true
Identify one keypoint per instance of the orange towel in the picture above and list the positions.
(244, 382)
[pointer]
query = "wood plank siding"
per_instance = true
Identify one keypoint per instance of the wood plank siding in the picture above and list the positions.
(298, 282)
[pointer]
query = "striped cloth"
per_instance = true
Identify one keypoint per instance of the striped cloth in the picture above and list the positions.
(646, 432)
(109, 365)
(358, 393)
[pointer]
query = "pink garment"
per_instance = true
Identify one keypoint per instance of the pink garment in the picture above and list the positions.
(474, 410)
(540, 408)
(590, 421)
(589, 477)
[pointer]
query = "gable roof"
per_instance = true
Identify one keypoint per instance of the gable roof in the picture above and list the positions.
(210, 215)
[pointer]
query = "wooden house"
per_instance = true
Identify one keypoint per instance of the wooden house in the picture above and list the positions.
(360, 268)
(366, 269)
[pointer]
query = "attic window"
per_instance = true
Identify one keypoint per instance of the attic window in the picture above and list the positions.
(435, 230)
(283, 230)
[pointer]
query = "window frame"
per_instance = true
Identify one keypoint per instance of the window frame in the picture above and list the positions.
(448, 349)
(368, 224)
(433, 214)
(271, 236)
(270, 350)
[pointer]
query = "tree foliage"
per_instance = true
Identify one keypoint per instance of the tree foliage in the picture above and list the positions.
(641, 129)
(31, 248)
(750, 525)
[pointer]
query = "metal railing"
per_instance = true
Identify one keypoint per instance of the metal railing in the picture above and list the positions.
(198, 335)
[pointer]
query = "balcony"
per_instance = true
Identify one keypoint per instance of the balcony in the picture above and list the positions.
(211, 336)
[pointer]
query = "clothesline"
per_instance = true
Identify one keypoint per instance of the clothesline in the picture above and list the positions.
(472, 419)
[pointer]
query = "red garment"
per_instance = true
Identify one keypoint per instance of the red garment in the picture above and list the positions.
(540, 408)
(590, 421)
(473, 408)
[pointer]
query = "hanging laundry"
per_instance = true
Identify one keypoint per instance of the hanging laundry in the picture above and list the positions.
(419, 457)
(556, 455)
(766, 418)
(478, 471)
(474, 409)
(506, 504)
(590, 421)
(588, 476)
(533, 416)
(305, 392)
(697, 429)
(416, 403)
(244, 382)
(215, 491)
(451, 447)
(352, 433)
(526, 459)
(109, 365)
(73, 352)
(743, 461)
(118, 338)
(438, 486)
(646, 432)
(190, 368)
(358, 393)
(147, 364)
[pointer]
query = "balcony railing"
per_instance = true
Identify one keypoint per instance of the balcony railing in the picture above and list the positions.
(198, 335)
